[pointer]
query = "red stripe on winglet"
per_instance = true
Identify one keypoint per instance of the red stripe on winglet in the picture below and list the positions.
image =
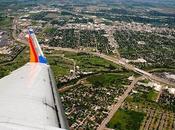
(33, 54)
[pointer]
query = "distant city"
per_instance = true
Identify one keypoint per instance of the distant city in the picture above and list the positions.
(113, 60)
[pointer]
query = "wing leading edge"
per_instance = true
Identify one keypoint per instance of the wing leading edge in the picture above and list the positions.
(28, 96)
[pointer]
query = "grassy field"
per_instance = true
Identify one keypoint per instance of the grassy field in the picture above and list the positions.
(141, 97)
(61, 63)
(152, 95)
(92, 63)
(59, 66)
(88, 62)
(126, 120)
(109, 79)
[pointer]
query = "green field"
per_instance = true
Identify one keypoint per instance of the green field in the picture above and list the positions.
(92, 63)
(152, 95)
(62, 64)
(142, 97)
(88, 62)
(126, 120)
(59, 66)
(109, 79)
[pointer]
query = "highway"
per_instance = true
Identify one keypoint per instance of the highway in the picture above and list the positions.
(119, 62)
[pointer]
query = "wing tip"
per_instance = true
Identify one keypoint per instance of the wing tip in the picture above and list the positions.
(42, 59)
(31, 31)
(36, 54)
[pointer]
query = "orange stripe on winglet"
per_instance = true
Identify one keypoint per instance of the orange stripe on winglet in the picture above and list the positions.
(33, 55)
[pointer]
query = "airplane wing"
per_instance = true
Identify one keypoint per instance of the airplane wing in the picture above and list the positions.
(28, 97)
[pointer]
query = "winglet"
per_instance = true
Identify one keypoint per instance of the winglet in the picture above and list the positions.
(36, 54)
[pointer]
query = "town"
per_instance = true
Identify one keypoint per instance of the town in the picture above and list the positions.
(109, 62)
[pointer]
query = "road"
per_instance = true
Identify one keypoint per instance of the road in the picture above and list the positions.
(119, 62)
(118, 104)
(137, 70)
(112, 42)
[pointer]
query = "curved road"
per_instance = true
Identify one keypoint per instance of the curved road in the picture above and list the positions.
(119, 62)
